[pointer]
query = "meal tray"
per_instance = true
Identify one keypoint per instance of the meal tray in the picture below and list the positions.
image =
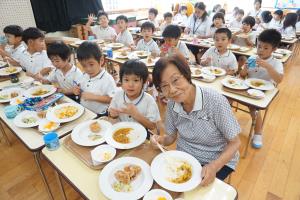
(240, 92)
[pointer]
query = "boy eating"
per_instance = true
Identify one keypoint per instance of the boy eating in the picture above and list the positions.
(124, 35)
(147, 43)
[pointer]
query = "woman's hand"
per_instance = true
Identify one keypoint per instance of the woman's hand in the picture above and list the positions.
(208, 174)
(156, 139)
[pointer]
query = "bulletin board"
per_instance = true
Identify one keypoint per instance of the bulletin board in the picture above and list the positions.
(287, 4)
(17, 12)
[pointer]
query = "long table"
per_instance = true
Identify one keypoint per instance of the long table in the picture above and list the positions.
(31, 138)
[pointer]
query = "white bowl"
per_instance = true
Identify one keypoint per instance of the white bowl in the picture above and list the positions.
(98, 154)
(42, 124)
(256, 93)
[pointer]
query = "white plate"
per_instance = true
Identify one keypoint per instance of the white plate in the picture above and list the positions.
(98, 41)
(3, 71)
(157, 33)
(156, 193)
(256, 93)
(277, 55)
(18, 120)
(136, 136)
(80, 134)
(2, 63)
(140, 186)
(283, 51)
(234, 47)
(79, 42)
(44, 122)
(244, 49)
(267, 85)
(52, 117)
(98, 154)
(150, 64)
(16, 101)
(209, 70)
(50, 88)
(196, 72)
(161, 173)
(141, 54)
(115, 45)
(8, 92)
(120, 56)
(207, 77)
(238, 84)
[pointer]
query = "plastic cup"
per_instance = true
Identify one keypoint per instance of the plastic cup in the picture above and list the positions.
(51, 141)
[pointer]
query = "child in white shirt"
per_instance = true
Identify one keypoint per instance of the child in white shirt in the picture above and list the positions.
(102, 31)
(147, 43)
(266, 18)
(97, 87)
(34, 59)
(218, 22)
(237, 21)
(124, 35)
(245, 37)
(256, 13)
(268, 68)
(167, 21)
(289, 25)
(181, 17)
(15, 47)
(152, 14)
(132, 103)
(276, 22)
(218, 55)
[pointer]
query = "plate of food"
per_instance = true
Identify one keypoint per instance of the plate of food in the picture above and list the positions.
(277, 55)
(283, 51)
(102, 154)
(46, 126)
(244, 49)
(90, 133)
(234, 83)
(257, 94)
(157, 194)
(115, 45)
(18, 100)
(142, 54)
(125, 178)
(234, 47)
(150, 61)
(27, 119)
(3, 64)
(65, 112)
(217, 71)
(157, 33)
(40, 91)
(9, 94)
(176, 171)
(9, 70)
(126, 135)
(196, 72)
(259, 84)
(122, 54)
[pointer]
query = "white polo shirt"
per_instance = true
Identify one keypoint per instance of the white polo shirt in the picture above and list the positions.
(107, 33)
(275, 24)
(180, 19)
(102, 84)
(235, 24)
(182, 48)
(145, 104)
(225, 61)
(262, 73)
(289, 31)
(197, 26)
(17, 52)
(125, 38)
(34, 63)
(150, 46)
(242, 42)
(67, 81)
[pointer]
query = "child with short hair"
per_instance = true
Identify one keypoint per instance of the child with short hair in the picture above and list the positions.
(269, 68)
(218, 22)
(237, 21)
(172, 43)
(34, 59)
(15, 47)
(266, 18)
(152, 14)
(102, 31)
(97, 87)
(147, 43)
(181, 17)
(219, 55)
(168, 17)
(124, 35)
(289, 25)
(132, 103)
(276, 22)
(256, 13)
(247, 25)
(65, 75)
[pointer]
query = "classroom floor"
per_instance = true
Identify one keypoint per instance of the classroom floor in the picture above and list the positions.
(271, 173)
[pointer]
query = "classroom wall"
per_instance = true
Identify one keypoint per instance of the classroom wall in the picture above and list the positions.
(17, 12)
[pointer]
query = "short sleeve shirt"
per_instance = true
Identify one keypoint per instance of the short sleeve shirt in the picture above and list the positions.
(207, 129)
(102, 84)
(182, 48)
(107, 33)
(225, 61)
(125, 38)
(145, 104)
(242, 42)
(235, 24)
(150, 46)
(17, 52)
(197, 26)
(275, 24)
(289, 31)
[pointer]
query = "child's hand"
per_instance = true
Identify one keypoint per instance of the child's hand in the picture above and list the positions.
(76, 90)
(130, 109)
(206, 61)
(114, 113)
(38, 77)
(60, 90)
(244, 71)
(262, 63)
(91, 18)
(45, 71)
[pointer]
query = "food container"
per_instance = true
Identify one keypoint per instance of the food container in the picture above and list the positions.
(51, 141)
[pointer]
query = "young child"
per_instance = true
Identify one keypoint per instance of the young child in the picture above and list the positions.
(256, 13)
(233, 14)
(34, 59)
(246, 30)
(65, 75)
(218, 55)
(215, 10)
(266, 17)
(102, 31)
(298, 22)
(237, 21)
(132, 103)
(97, 87)
(276, 22)
(172, 43)
(147, 43)
(269, 69)
(152, 14)
(15, 46)
(124, 35)
(218, 22)
(168, 17)
(181, 17)
(289, 25)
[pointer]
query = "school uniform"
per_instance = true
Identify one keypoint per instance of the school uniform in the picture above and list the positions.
(255, 13)
(34, 63)
(103, 84)
(225, 61)
(125, 38)
(289, 32)
(262, 73)
(235, 24)
(181, 46)
(17, 52)
(180, 19)
(197, 26)
(107, 33)
(150, 46)
(242, 42)
(211, 30)
(275, 24)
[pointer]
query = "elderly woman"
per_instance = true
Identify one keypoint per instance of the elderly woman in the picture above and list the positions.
(199, 119)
